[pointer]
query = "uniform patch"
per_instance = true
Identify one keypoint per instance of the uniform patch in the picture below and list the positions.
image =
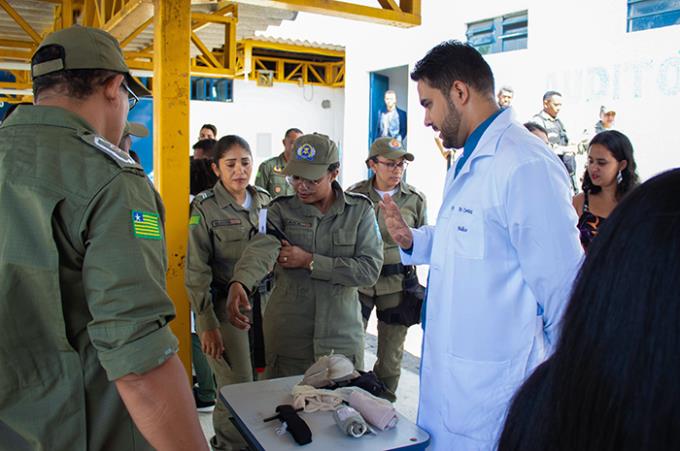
(277, 169)
(395, 144)
(146, 225)
(194, 220)
(306, 152)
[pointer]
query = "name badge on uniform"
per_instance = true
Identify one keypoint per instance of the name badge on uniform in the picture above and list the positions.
(262, 222)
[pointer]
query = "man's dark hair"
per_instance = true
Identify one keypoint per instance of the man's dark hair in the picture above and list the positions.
(292, 130)
(531, 126)
(612, 382)
(77, 83)
(201, 177)
(621, 149)
(549, 94)
(210, 127)
(333, 166)
(450, 61)
(226, 143)
(206, 145)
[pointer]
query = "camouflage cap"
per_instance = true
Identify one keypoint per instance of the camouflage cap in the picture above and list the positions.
(135, 129)
(389, 148)
(81, 47)
(312, 154)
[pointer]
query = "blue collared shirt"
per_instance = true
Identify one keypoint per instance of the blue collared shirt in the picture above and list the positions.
(473, 140)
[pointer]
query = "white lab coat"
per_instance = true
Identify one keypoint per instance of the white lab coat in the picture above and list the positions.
(505, 243)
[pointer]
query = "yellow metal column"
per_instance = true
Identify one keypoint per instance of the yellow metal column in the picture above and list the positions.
(171, 91)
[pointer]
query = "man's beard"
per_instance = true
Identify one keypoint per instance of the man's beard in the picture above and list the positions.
(450, 127)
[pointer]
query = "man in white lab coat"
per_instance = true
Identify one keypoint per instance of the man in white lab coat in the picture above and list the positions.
(502, 255)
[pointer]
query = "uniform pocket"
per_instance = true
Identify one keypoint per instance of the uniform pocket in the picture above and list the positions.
(344, 242)
(477, 398)
(467, 229)
(300, 236)
(229, 241)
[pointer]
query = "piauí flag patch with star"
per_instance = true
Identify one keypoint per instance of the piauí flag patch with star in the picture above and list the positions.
(146, 225)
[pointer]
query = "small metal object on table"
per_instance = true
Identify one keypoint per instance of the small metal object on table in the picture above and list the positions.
(252, 402)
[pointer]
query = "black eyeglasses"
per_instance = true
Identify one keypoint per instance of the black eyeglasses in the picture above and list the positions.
(391, 165)
(132, 97)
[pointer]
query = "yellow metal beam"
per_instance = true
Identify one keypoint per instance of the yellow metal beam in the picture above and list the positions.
(15, 85)
(15, 55)
(20, 21)
(212, 18)
(404, 16)
(126, 18)
(172, 31)
(293, 48)
(205, 50)
(136, 32)
(16, 44)
(389, 4)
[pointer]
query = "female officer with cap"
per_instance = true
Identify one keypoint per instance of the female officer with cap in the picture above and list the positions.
(396, 309)
(325, 244)
(221, 223)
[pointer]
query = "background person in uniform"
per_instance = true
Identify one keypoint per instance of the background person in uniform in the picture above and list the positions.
(388, 160)
(502, 255)
(505, 96)
(270, 173)
(391, 120)
(132, 129)
(203, 149)
(222, 221)
(610, 175)
(557, 134)
(325, 244)
(207, 131)
(612, 383)
(86, 347)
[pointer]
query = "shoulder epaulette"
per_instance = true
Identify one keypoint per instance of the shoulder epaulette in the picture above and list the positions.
(203, 195)
(357, 185)
(415, 191)
(261, 190)
(281, 197)
(360, 196)
(115, 153)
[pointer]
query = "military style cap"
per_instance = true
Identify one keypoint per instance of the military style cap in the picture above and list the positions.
(312, 155)
(389, 148)
(135, 129)
(81, 47)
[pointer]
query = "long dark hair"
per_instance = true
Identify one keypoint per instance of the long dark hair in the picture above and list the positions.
(622, 149)
(612, 383)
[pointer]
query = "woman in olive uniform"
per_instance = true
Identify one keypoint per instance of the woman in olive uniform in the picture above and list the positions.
(222, 221)
(325, 244)
(388, 159)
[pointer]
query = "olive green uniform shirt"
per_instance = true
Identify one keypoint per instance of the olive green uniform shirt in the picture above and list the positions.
(219, 230)
(413, 207)
(312, 313)
(82, 293)
(270, 177)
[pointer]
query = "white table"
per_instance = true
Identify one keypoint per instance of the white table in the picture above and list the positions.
(252, 402)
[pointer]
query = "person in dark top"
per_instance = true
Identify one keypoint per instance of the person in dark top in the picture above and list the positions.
(612, 382)
(609, 176)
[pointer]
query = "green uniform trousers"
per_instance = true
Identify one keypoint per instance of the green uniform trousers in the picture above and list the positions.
(238, 369)
(204, 376)
(390, 341)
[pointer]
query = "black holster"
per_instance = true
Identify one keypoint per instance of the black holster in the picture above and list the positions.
(257, 337)
(407, 313)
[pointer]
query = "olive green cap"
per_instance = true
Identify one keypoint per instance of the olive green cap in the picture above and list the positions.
(312, 155)
(135, 129)
(85, 48)
(389, 148)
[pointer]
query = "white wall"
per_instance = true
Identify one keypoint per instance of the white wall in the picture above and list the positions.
(259, 110)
